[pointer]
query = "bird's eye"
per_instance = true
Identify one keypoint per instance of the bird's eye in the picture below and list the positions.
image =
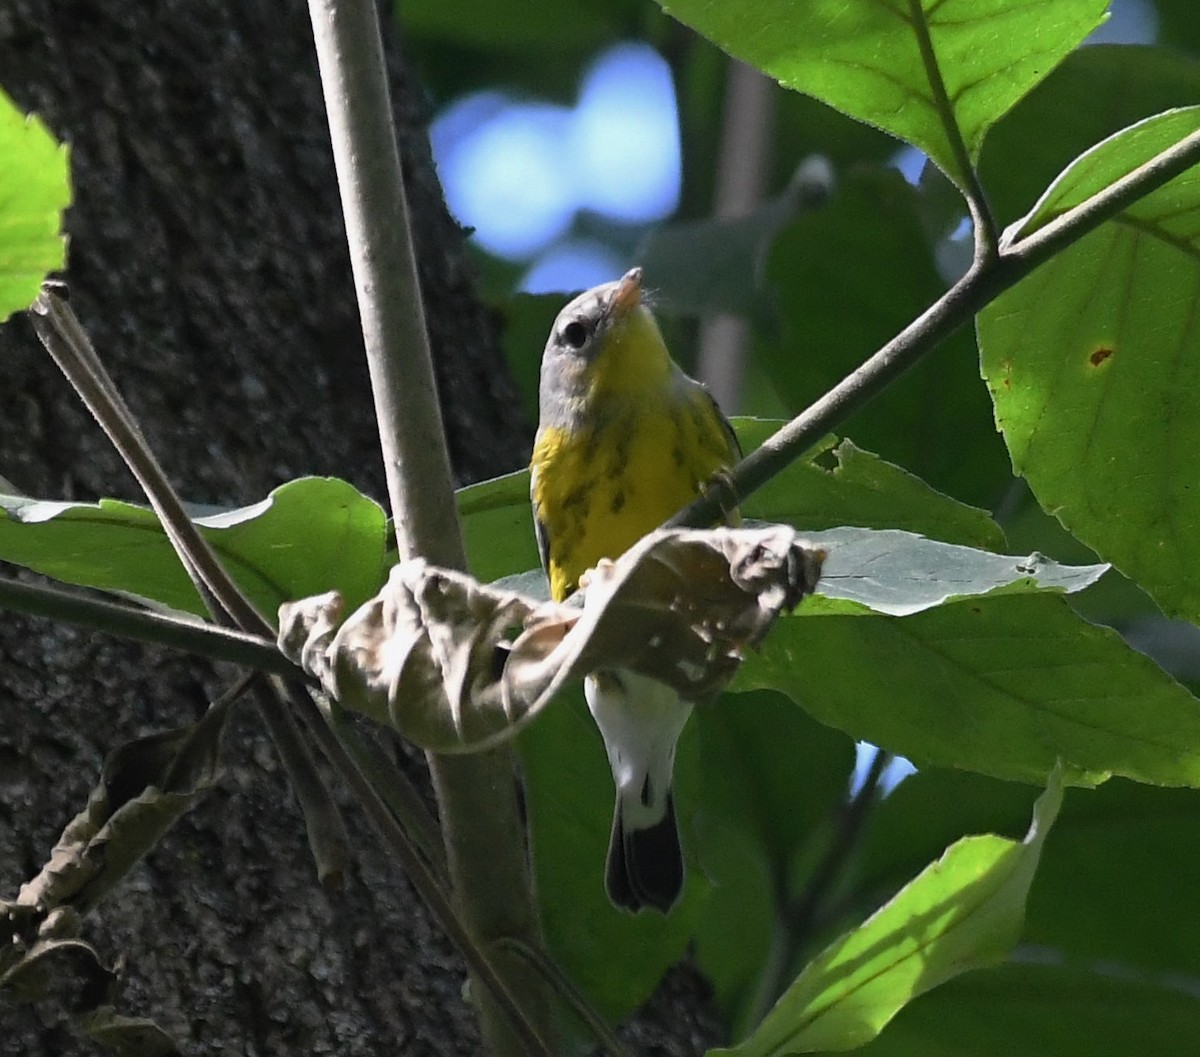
(575, 334)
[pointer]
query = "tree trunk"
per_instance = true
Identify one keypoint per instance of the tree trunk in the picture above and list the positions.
(208, 261)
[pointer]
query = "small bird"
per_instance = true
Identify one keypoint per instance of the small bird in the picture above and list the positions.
(625, 439)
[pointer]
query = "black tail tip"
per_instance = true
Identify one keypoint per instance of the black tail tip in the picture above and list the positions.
(645, 866)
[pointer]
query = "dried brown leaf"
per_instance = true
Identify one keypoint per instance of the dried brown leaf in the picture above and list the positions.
(457, 666)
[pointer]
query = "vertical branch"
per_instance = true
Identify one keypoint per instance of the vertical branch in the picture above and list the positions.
(747, 130)
(477, 795)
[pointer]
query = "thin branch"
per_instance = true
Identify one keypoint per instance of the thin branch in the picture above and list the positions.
(795, 927)
(323, 822)
(145, 625)
(986, 279)
(392, 784)
(65, 339)
(486, 850)
(566, 989)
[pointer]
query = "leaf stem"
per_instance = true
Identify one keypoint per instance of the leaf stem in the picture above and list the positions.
(967, 177)
(68, 344)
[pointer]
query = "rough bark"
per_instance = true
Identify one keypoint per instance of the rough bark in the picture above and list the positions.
(207, 258)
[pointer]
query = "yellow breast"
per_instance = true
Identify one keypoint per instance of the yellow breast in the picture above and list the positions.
(641, 457)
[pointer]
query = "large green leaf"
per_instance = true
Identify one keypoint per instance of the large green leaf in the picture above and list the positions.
(962, 912)
(1046, 1011)
(848, 278)
(1002, 685)
(937, 73)
(306, 537)
(34, 190)
(772, 780)
(1093, 361)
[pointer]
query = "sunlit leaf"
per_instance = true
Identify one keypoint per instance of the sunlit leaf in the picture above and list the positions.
(936, 73)
(307, 536)
(1093, 360)
(34, 191)
(962, 912)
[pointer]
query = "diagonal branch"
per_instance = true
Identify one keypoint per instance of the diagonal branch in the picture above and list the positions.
(987, 278)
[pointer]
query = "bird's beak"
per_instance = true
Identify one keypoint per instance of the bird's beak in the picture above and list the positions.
(628, 294)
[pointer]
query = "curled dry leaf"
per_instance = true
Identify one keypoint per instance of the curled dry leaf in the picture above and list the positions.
(457, 666)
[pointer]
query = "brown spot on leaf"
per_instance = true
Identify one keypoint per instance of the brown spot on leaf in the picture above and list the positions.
(618, 501)
(1100, 355)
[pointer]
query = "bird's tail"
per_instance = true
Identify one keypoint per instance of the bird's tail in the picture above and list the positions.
(640, 721)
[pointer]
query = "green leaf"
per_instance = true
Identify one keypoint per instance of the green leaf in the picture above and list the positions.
(1002, 685)
(615, 957)
(937, 73)
(34, 190)
(772, 780)
(962, 912)
(848, 278)
(845, 485)
(1047, 1011)
(1096, 92)
(308, 536)
(497, 524)
(1097, 345)
(900, 573)
(1139, 848)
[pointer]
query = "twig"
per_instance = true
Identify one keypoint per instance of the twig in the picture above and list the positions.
(986, 279)
(327, 837)
(796, 920)
(65, 339)
(145, 625)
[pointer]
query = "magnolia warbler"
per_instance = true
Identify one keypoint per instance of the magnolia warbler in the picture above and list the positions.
(625, 439)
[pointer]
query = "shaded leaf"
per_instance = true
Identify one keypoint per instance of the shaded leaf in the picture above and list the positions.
(703, 267)
(615, 957)
(1095, 344)
(61, 965)
(1002, 685)
(844, 485)
(127, 1036)
(1096, 92)
(772, 780)
(937, 73)
(1047, 1010)
(848, 278)
(962, 912)
(34, 190)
